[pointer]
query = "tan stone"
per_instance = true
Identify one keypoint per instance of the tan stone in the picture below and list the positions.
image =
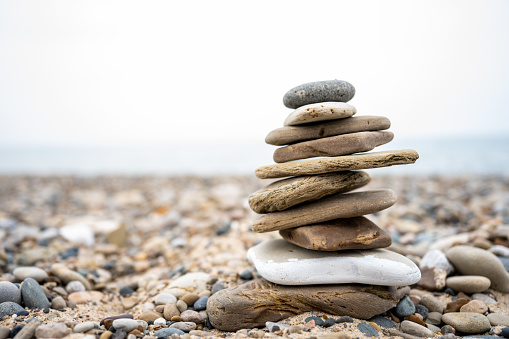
(291, 134)
(252, 304)
(339, 234)
(333, 146)
(285, 193)
(82, 297)
(339, 206)
(320, 112)
(336, 164)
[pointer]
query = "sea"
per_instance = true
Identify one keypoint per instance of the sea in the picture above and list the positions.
(438, 156)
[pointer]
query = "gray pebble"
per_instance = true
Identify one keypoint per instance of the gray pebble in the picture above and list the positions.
(320, 91)
(405, 307)
(184, 326)
(498, 319)
(432, 303)
(9, 292)
(85, 326)
(125, 324)
(486, 298)
(164, 298)
(201, 303)
(75, 286)
(415, 329)
(58, 303)
(367, 329)
(36, 273)
(167, 332)
(434, 318)
(9, 307)
(33, 295)
(382, 321)
(182, 306)
(344, 319)
(217, 287)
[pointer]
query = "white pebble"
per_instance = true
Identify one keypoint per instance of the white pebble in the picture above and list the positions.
(159, 322)
(165, 298)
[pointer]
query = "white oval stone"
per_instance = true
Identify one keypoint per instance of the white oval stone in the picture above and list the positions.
(283, 263)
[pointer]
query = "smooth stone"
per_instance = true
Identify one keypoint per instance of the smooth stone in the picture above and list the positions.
(471, 323)
(467, 261)
(9, 307)
(415, 329)
(75, 286)
(190, 298)
(435, 329)
(52, 330)
(367, 329)
(85, 326)
(125, 324)
(405, 307)
(150, 316)
(292, 134)
(170, 310)
(36, 273)
(201, 303)
(432, 303)
(167, 332)
(338, 206)
(281, 262)
(159, 322)
(191, 316)
(319, 91)
(58, 303)
(254, 303)
(475, 306)
(436, 258)
(285, 193)
(339, 234)
(271, 325)
(382, 321)
(468, 283)
(4, 332)
(422, 310)
(487, 299)
(164, 298)
(333, 146)
(499, 251)
(432, 278)
(33, 295)
(9, 292)
(336, 164)
(434, 318)
(344, 319)
(498, 319)
(194, 282)
(67, 275)
(322, 111)
(184, 326)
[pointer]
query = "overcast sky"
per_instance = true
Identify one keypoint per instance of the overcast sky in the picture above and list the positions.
(124, 72)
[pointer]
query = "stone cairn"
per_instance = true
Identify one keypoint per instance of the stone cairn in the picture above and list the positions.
(331, 258)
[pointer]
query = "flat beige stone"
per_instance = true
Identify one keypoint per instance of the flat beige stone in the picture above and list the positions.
(285, 193)
(347, 205)
(320, 112)
(341, 234)
(333, 146)
(291, 134)
(336, 164)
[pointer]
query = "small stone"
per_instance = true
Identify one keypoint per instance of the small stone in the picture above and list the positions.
(106, 335)
(191, 316)
(367, 329)
(382, 321)
(339, 234)
(329, 322)
(448, 329)
(416, 318)
(295, 329)
(344, 319)
(217, 287)
(318, 321)
(150, 316)
(433, 328)
(4, 332)
(164, 298)
(455, 305)
(498, 319)
(167, 332)
(471, 323)
(284, 263)
(194, 282)
(125, 324)
(332, 146)
(67, 275)
(58, 303)
(85, 297)
(52, 330)
(335, 207)
(181, 305)
(271, 326)
(85, 327)
(415, 329)
(201, 303)
(33, 295)
(468, 283)
(432, 303)
(176, 318)
(319, 91)
(185, 326)
(170, 310)
(405, 307)
(190, 298)
(75, 286)
(487, 299)
(126, 291)
(438, 259)
(476, 306)
(466, 260)
(120, 316)
(323, 111)
(159, 322)
(9, 292)
(434, 318)
(422, 310)
(432, 278)
(505, 332)
(21, 273)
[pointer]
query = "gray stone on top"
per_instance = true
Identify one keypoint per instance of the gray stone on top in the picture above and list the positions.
(323, 111)
(333, 146)
(292, 134)
(319, 91)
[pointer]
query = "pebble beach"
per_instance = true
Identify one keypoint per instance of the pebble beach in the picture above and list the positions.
(152, 250)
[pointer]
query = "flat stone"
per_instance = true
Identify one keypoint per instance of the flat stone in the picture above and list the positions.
(415, 329)
(468, 283)
(466, 260)
(185, 326)
(167, 332)
(194, 282)
(164, 298)
(475, 306)
(498, 319)
(338, 206)
(292, 134)
(322, 111)
(36, 273)
(283, 194)
(281, 262)
(434, 318)
(33, 295)
(455, 305)
(333, 146)
(382, 321)
(254, 303)
(339, 234)
(9, 292)
(319, 91)
(470, 323)
(9, 307)
(336, 164)
(85, 326)
(367, 329)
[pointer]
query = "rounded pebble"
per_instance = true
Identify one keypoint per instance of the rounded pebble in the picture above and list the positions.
(182, 306)
(344, 319)
(475, 306)
(498, 319)
(74, 286)
(471, 323)
(125, 324)
(185, 326)
(201, 303)
(170, 310)
(468, 283)
(159, 322)
(367, 329)
(58, 303)
(382, 321)
(84, 326)
(422, 310)
(33, 295)
(9, 292)
(167, 332)
(415, 329)
(36, 273)
(405, 307)
(191, 316)
(432, 303)
(320, 91)
(164, 298)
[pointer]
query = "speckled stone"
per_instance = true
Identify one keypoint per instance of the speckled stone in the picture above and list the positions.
(367, 329)
(9, 307)
(467, 322)
(33, 295)
(336, 164)
(9, 292)
(468, 283)
(335, 207)
(339, 234)
(319, 91)
(333, 146)
(281, 262)
(283, 194)
(323, 111)
(292, 134)
(254, 303)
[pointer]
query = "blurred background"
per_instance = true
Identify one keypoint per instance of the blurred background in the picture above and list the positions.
(193, 87)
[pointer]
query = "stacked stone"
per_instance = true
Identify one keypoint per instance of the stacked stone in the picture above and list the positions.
(331, 258)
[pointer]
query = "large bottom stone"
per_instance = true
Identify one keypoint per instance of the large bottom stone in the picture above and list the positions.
(254, 303)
